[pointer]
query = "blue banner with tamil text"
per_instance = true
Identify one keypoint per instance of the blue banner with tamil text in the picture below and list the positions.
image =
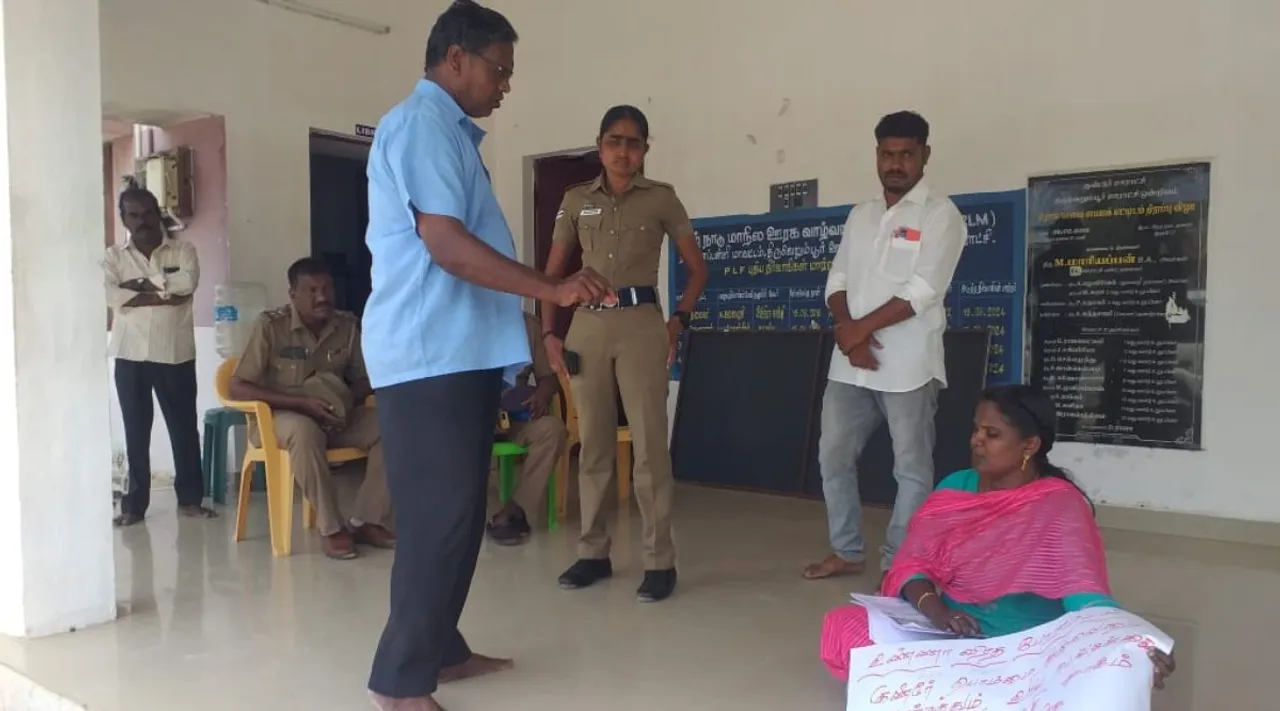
(769, 272)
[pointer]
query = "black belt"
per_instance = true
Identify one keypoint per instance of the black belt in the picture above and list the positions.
(629, 296)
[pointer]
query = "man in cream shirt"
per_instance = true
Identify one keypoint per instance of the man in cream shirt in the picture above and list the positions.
(885, 292)
(149, 282)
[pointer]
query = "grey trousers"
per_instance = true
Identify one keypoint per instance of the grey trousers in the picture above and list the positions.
(850, 415)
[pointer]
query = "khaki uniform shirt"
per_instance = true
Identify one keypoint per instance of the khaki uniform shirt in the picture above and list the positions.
(621, 236)
(285, 356)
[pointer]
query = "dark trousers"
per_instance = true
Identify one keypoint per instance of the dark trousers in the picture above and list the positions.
(437, 438)
(175, 388)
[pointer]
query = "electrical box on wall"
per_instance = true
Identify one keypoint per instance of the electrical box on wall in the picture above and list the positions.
(170, 176)
(793, 195)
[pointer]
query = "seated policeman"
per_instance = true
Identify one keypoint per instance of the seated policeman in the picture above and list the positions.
(304, 360)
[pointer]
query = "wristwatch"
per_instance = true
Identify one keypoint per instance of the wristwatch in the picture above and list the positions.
(683, 316)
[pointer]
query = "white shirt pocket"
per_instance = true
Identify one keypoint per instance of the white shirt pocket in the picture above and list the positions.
(898, 259)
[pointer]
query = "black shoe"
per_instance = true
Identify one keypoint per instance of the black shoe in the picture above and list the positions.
(510, 530)
(657, 586)
(585, 573)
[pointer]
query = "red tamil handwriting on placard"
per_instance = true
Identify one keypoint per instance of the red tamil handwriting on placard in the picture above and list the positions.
(907, 660)
(1097, 654)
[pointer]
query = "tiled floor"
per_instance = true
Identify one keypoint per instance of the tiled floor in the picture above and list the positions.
(209, 624)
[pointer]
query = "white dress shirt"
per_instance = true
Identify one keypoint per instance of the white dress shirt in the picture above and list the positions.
(908, 251)
(158, 334)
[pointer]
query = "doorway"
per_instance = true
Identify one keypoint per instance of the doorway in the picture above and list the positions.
(340, 215)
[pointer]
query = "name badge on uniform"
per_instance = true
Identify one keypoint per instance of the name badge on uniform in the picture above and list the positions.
(590, 211)
(294, 353)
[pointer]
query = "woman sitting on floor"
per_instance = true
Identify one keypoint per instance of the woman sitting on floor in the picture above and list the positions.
(997, 549)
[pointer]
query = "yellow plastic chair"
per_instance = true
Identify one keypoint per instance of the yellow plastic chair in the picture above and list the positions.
(575, 440)
(275, 461)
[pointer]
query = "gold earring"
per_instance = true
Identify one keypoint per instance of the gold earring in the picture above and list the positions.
(1025, 459)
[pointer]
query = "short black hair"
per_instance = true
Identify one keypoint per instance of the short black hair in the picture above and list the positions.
(308, 266)
(472, 27)
(134, 192)
(903, 124)
(625, 113)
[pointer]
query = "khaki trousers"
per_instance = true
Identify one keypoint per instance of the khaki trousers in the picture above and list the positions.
(306, 443)
(623, 351)
(545, 438)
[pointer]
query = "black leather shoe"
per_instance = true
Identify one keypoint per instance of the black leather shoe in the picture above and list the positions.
(657, 586)
(509, 529)
(585, 573)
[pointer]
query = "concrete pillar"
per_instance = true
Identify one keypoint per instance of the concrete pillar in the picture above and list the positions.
(56, 567)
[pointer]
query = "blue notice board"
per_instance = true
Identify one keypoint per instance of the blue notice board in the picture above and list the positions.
(768, 273)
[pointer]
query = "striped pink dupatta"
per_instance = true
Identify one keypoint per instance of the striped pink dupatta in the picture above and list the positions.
(1040, 538)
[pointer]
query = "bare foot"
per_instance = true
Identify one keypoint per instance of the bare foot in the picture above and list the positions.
(127, 519)
(197, 512)
(833, 566)
(424, 703)
(477, 665)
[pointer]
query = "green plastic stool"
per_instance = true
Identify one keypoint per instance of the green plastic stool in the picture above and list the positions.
(217, 425)
(507, 453)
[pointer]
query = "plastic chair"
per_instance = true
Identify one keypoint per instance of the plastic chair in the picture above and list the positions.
(575, 440)
(218, 422)
(507, 453)
(275, 460)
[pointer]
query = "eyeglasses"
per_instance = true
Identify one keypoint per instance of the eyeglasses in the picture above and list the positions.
(504, 72)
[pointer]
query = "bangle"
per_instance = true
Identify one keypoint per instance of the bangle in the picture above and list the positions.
(548, 333)
(920, 600)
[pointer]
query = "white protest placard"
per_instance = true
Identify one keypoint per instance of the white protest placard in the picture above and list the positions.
(1094, 660)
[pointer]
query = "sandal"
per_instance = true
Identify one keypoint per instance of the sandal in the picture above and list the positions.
(833, 566)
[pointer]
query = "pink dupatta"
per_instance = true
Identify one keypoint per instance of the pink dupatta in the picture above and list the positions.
(1040, 538)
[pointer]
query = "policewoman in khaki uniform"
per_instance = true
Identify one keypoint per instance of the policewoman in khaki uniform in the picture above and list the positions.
(620, 221)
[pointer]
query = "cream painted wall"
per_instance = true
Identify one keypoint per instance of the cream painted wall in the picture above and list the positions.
(273, 75)
(741, 95)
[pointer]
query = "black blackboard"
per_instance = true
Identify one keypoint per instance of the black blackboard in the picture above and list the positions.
(750, 402)
(744, 409)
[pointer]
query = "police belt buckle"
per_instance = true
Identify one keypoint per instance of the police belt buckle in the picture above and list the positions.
(629, 291)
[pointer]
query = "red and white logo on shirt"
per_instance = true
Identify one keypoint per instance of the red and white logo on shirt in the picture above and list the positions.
(906, 234)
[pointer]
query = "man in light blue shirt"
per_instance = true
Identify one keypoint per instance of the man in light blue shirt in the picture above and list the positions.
(442, 325)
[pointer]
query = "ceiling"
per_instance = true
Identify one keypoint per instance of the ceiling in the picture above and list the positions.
(118, 123)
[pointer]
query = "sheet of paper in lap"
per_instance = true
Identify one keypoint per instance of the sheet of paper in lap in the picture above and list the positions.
(892, 620)
(1094, 660)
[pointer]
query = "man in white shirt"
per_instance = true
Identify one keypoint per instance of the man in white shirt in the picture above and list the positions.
(885, 292)
(149, 282)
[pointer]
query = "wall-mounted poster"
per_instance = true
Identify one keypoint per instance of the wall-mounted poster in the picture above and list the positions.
(1116, 302)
